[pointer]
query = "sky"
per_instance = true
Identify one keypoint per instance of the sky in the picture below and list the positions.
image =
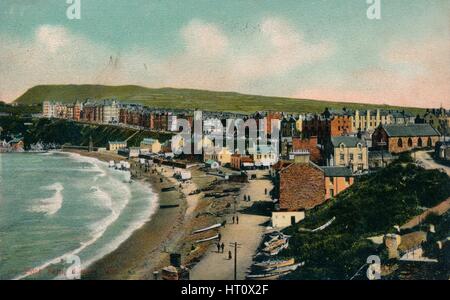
(315, 49)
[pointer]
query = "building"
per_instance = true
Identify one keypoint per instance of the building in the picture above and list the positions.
(348, 151)
(369, 120)
(115, 146)
(48, 109)
(110, 112)
(223, 157)
(303, 186)
(442, 150)
(264, 156)
(330, 123)
(310, 145)
(380, 158)
(283, 219)
(241, 162)
(337, 179)
(438, 118)
(150, 145)
(397, 138)
(134, 152)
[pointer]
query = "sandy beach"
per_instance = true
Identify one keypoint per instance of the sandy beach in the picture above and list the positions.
(170, 230)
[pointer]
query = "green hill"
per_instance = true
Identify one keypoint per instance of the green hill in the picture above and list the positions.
(185, 99)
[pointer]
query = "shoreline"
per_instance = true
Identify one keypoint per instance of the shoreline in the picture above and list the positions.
(145, 249)
(169, 230)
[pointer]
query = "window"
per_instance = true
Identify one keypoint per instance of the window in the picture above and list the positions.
(420, 142)
(410, 142)
(342, 156)
(351, 156)
(400, 143)
(332, 192)
(429, 142)
(360, 156)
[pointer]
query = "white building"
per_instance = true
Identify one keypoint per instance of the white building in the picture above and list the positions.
(110, 112)
(264, 156)
(172, 124)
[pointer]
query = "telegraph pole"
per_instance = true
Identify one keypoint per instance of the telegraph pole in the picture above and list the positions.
(236, 246)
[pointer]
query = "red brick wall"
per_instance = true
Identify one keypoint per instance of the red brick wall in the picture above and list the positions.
(340, 125)
(302, 186)
(395, 148)
(308, 144)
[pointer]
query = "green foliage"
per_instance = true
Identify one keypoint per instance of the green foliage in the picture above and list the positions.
(20, 110)
(69, 132)
(186, 99)
(405, 157)
(372, 206)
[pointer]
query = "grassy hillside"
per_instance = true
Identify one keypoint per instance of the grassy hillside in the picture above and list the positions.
(184, 99)
(372, 206)
(67, 132)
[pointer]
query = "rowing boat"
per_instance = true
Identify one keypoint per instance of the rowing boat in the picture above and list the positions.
(275, 274)
(207, 239)
(207, 228)
(275, 244)
(274, 264)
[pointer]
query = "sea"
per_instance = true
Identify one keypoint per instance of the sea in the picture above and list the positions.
(59, 209)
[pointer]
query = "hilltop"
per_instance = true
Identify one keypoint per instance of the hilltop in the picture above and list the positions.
(187, 99)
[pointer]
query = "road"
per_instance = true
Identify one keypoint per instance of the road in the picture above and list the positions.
(249, 232)
(424, 157)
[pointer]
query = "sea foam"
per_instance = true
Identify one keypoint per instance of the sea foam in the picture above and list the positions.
(51, 205)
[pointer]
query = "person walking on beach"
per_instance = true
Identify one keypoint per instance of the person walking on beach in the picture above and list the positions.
(237, 219)
(220, 237)
(233, 219)
(229, 255)
(218, 247)
(222, 247)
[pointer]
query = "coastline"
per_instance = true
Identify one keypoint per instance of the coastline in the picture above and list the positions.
(169, 230)
(144, 250)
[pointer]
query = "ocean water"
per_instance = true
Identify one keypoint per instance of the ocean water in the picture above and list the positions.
(57, 204)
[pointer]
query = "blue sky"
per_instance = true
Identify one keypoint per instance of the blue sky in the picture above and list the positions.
(297, 48)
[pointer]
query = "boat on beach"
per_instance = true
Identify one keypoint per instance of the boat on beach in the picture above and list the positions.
(274, 244)
(218, 225)
(207, 239)
(274, 264)
(274, 274)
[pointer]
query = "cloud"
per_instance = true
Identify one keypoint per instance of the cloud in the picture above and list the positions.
(209, 59)
(410, 73)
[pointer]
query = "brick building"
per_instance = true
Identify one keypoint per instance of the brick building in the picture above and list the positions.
(302, 186)
(402, 138)
(308, 144)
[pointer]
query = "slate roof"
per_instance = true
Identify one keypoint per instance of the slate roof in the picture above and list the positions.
(348, 141)
(148, 141)
(336, 171)
(397, 130)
